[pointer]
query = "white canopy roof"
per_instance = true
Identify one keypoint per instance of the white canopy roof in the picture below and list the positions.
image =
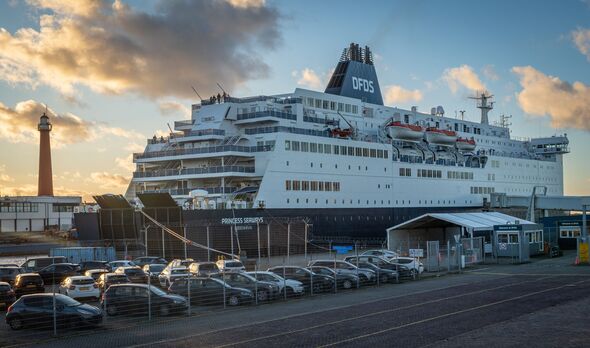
(483, 221)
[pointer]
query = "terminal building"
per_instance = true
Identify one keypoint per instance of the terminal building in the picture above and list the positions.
(44, 211)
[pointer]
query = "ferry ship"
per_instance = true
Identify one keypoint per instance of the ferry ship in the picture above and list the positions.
(341, 159)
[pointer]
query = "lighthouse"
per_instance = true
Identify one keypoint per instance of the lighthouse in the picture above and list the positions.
(45, 187)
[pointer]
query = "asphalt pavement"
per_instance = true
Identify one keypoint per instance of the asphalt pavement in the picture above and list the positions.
(493, 305)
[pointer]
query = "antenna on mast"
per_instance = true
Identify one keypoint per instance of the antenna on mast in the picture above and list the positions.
(504, 123)
(482, 103)
(197, 93)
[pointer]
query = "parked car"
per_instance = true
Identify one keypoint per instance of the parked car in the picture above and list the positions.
(56, 273)
(154, 271)
(7, 296)
(28, 283)
(365, 275)
(384, 275)
(113, 265)
(294, 287)
(230, 266)
(345, 280)
(264, 291)
(411, 263)
(134, 273)
(37, 263)
(176, 263)
(107, 279)
(210, 291)
(149, 260)
(309, 279)
(169, 275)
(8, 273)
(402, 270)
(387, 254)
(88, 265)
(37, 311)
(96, 273)
(80, 287)
(203, 269)
(135, 298)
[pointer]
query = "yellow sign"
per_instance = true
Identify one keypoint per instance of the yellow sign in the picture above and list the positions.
(584, 255)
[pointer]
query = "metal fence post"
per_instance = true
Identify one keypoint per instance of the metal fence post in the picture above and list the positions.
(288, 242)
(188, 282)
(224, 296)
(448, 255)
(163, 247)
(256, 286)
(268, 242)
(185, 245)
(305, 247)
(54, 311)
(258, 239)
(335, 275)
(149, 290)
(208, 246)
(284, 281)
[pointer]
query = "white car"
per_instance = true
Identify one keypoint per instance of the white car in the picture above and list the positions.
(410, 262)
(120, 263)
(387, 254)
(79, 287)
(294, 287)
(169, 275)
(230, 266)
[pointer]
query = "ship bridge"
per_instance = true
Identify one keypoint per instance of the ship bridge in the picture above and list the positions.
(550, 145)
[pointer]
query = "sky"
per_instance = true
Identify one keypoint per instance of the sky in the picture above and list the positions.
(115, 72)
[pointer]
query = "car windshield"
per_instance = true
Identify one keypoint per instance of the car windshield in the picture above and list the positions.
(116, 278)
(133, 271)
(157, 268)
(178, 271)
(208, 267)
(234, 264)
(82, 281)
(68, 301)
(4, 287)
(157, 291)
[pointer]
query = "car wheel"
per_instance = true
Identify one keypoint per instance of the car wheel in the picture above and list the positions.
(290, 292)
(16, 323)
(112, 310)
(317, 287)
(347, 284)
(262, 296)
(164, 310)
(233, 300)
(384, 278)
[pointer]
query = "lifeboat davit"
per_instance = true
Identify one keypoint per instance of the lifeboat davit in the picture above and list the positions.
(440, 136)
(403, 131)
(341, 133)
(464, 144)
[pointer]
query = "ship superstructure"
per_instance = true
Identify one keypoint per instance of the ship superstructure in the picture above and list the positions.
(342, 153)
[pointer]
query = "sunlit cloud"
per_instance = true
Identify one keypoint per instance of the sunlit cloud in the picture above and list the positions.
(463, 76)
(309, 78)
(109, 180)
(5, 178)
(19, 125)
(397, 94)
(543, 95)
(581, 38)
(172, 108)
(113, 48)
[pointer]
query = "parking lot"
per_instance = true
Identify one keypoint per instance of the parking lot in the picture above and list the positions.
(491, 304)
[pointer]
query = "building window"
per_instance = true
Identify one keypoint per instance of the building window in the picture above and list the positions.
(288, 185)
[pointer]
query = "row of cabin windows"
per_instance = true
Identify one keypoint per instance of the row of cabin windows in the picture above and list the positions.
(429, 173)
(451, 174)
(331, 105)
(304, 185)
(482, 190)
(397, 202)
(335, 149)
(405, 172)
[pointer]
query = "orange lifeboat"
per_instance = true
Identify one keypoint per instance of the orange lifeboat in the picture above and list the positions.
(341, 133)
(403, 131)
(441, 136)
(464, 144)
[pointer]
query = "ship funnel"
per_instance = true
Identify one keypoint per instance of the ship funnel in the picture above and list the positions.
(355, 76)
(45, 187)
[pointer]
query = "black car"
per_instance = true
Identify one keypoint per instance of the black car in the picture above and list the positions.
(306, 277)
(384, 275)
(402, 270)
(153, 271)
(8, 273)
(210, 291)
(7, 296)
(149, 260)
(134, 273)
(135, 298)
(56, 273)
(264, 291)
(28, 283)
(36, 263)
(88, 265)
(37, 311)
(344, 280)
(107, 279)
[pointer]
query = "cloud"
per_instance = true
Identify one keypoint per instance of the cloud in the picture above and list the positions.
(543, 95)
(463, 76)
(31, 190)
(126, 162)
(113, 48)
(171, 108)
(4, 178)
(581, 38)
(109, 180)
(308, 78)
(19, 125)
(397, 94)
(490, 73)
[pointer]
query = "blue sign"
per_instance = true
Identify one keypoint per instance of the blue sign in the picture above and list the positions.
(342, 249)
